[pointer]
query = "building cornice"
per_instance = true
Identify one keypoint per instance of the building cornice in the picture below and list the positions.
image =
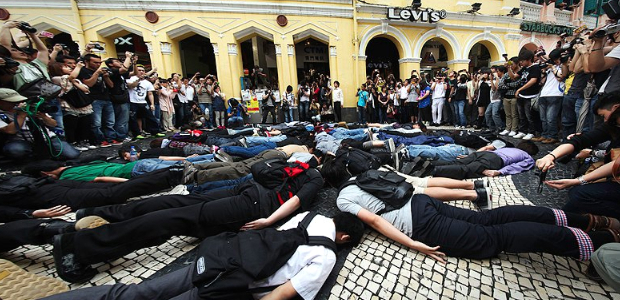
(65, 4)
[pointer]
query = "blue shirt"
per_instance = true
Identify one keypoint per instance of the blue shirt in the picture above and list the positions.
(362, 98)
(237, 114)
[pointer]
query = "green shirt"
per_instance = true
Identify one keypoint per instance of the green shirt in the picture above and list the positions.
(29, 73)
(98, 169)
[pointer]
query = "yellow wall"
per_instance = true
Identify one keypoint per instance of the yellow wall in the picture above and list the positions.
(349, 35)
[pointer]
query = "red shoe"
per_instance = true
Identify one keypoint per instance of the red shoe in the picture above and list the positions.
(115, 143)
(104, 144)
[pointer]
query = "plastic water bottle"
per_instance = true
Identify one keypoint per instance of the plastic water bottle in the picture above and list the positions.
(133, 154)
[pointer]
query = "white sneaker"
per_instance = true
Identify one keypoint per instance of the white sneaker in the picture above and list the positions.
(512, 133)
(528, 137)
(519, 135)
(91, 146)
(505, 132)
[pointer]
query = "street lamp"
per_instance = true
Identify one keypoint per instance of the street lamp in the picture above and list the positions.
(415, 4)
(475, 8)
(513, 12)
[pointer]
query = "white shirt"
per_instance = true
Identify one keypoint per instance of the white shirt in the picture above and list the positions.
(495, 95)
(189, 92)
(439, 91)
(403, 92)
(552, 85)
(614, 53)
(138, 94)
(309, 266)
(337, 95)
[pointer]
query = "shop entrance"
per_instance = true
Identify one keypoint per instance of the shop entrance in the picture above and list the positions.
(259, 63)
(135, 44)
(434, 58)
(382, 58)
(479, 57)
(312, 60)
(197, 56)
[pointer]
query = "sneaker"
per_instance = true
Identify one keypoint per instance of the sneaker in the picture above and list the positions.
(369, 132)
(67, 267)
(390, 145)
(550, 141)
(115, 143)
(90, 146)
(484, 199)
(214, 149)
(538, 139)
(180, 189)
(79, 147)
(519, 135)
(145, 134)
(104, 144)
(127, 140)
(223, 156)
(528, 137)
(512, 133)
(160, 134)
(481, 184)
(54, 226)
(140, 137)
(243, 142)
(188, 172)
(505, 132)
(90, 222)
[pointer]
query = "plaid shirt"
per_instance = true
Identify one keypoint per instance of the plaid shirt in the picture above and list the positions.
(508, 87)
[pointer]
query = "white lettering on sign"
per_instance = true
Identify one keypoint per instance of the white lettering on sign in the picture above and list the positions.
(414, 15)
(123, 41)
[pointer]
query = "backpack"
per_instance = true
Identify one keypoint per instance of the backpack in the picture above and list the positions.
(227, 263)
(274, 174)
(18, 185)
(357, 161)
(388, 186)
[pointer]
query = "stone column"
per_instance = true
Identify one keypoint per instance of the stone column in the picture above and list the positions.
(406, 65)
(235, 69)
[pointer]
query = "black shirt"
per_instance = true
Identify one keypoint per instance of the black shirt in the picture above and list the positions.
(526, 74)
(99, 91)
(157, 152)
(579, 82)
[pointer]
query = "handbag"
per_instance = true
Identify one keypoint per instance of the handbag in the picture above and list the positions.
(40, 87)
(77, 98)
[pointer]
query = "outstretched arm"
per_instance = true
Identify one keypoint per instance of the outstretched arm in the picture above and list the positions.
(282, 212)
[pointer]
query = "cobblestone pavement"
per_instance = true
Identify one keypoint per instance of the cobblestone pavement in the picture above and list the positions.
(381, 269)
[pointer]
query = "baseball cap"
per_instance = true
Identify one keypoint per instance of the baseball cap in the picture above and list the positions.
(10, 95)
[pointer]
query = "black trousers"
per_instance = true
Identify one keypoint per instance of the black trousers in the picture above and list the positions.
(601, 198)
(471, 166)
(526, 117)
(338, 111)
(77, 129)
(81, 194)
(269, 110)
(153, 221)
(23, 232)
(478, 235)
(175, 285)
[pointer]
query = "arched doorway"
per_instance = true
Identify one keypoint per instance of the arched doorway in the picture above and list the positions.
(382, 57)
(479, 57)
(135, 44)
(434, 57)
(197, 55)
(258, 57)
(312, 59)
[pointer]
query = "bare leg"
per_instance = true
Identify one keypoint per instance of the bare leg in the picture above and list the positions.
(445, 194)
(450, 183)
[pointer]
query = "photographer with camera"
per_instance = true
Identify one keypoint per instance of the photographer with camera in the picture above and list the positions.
(269, 106)
(551, 96)
(304, 101)
(8, 68)
(574, 98)
(205, 93)
(97, 78)
(23, 129)
(235, 113)
(605, 55)
(119, 94)
(141, 117)
(530, 87)
(29, 71)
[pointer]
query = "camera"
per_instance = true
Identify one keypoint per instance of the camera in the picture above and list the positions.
(10, 63)
(24, 26)
(107, 70)
(607, 30)
(64, 47)
(98, 47)
(38, 104)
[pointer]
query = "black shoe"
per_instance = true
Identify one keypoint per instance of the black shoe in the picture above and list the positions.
(223, 156)
(84, 212)
(54, 227)
(592, 274)
(176, 176)
(480, 184)
(484, 199)
(67, 267)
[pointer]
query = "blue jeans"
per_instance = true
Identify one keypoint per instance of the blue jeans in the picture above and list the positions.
(361, 115)
(549, 109)
(258, 140)
(493, 118)
(121, 123)
(303, 111)
(143, 166)
(103, 115)
(235, 121)
(288, 115)
(248, 152)
(204, 107)
(458, 107)
(446, 153)
(570, 112)
(356, 134)
(59, 129)
(20, 149)
(217, 185)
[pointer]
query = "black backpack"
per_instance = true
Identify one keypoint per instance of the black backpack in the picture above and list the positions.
(19, 185)
(388, 186)
(275, 173)
(357, 161)
(227, 263)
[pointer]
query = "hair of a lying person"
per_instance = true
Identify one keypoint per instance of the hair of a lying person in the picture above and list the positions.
(351, 225)
(334, 172)
(529, 147)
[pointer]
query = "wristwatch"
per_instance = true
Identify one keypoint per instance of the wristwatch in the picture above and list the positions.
(582, 180)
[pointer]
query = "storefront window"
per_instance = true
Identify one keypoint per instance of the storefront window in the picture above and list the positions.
(197, 56)
(434, 56)
(479, 57)
(382, 56)
(259, 63)
(312, 58)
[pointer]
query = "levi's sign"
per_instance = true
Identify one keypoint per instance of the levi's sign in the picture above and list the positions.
(414, 15)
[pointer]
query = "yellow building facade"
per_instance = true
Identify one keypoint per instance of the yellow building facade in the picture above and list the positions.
(345, 27)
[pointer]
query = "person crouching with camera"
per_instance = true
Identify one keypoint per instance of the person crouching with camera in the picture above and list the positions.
(23, 129)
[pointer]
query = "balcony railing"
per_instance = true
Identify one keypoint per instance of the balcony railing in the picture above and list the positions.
(590, 21)
(562, 17)
(531, 11)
